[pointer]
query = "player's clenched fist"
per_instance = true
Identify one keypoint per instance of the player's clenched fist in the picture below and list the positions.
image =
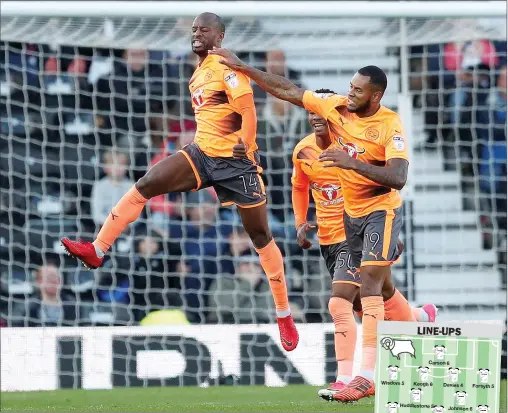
(337, 158)
(229, 59)
(301, 235)
(240, 149)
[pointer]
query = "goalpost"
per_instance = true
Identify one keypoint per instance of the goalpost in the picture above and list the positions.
(64, 105)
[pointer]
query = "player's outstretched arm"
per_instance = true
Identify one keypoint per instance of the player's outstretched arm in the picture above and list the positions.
(392, 175)
(278, 86)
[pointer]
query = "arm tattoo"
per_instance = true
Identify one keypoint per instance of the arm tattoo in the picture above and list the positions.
(276, 85)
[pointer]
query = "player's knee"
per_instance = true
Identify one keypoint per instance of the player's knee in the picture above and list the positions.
(388, 289)
(345, 291)
(143, 186)
(373, 279)
(260, 238)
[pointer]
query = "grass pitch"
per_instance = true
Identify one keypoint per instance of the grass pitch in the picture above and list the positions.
(179, 399)
(186, 399)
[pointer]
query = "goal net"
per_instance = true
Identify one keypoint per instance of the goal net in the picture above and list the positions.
(88, 104)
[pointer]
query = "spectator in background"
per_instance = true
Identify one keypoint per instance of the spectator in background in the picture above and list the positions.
(275, 62)
(204, 246)
(280, 126)
(469, 115)
(135, 87)
(158, 273)
(49, 306)
(20, 79)
(162, 207)
(108, 191)
(493, 170)
(149, 282)
(244, 297)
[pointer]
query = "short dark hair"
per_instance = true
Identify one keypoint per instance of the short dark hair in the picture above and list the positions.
(212, 17)
(377, 76)
(325, 91)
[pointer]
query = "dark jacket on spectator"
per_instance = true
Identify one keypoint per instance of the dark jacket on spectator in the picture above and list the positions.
(68, 312)
(129, 96)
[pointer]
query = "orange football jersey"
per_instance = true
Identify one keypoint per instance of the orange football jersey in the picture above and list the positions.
(213, 88)
(326, 190)
(374, 140)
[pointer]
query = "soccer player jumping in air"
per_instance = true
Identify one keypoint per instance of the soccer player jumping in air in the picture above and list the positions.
(370, 155)
(225, 115)
(310, 174)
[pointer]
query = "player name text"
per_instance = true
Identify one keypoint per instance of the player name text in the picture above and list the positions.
(438, 331)
(391, 383)
(416, 406)
(415, 383)
(460, 408)
(440, 363)
(483, 386)
(452, 385)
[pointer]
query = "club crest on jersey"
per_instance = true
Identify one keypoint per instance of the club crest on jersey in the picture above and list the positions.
(372, 134)
(197, 97)
(329, 191)
(352, 150)
(209, 75)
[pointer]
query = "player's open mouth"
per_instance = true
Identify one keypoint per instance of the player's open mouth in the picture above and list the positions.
(197, 43)
(350, 102)
(318, 125)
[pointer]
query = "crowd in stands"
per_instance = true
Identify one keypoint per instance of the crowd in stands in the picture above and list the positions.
(79, 126)
(461, 88)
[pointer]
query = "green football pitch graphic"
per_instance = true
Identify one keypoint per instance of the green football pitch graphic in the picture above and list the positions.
(436, 374)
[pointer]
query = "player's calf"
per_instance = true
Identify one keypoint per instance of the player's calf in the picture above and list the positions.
(255, 222)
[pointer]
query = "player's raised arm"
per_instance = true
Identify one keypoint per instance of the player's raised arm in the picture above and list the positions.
(276, 85)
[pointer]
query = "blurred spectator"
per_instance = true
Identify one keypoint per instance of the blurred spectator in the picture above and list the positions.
(134, 88)
(157, 274)
(65, 72)
(280, 126)
(20, 66)
(493, 172)
(204, 245)
(108, 191)
(244, 297)
(469, 115)
(154, 282)
(162, 207)
(51, 307)
(275, 62)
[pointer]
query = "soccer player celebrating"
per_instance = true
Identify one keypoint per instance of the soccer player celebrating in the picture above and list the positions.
(370, 155)
(226, 126)
(309, 173)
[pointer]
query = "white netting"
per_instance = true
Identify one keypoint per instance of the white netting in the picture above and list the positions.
(245, 33)
(69, 106)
